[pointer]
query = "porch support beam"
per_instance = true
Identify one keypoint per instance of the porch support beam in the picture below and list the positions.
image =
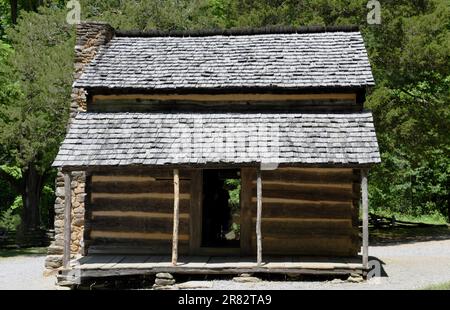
(176, 215)
(67, 218)
(258, 217)
(365, 218)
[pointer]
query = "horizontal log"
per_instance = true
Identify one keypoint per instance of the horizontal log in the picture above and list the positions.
(162, 174)
(307, 194)
(184, 105)
(122, 178)
(138, 225)
(133, 235)
(229, 97)
(157, 186)
(155, 248)
(168, 196)
(311, 246)
(311, 186)
(269, 200)
(137, 214)
(301, 175)
(305, 210)
(283, 229)
(141, 204)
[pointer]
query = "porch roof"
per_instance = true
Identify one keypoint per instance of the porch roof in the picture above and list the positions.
(167, 139)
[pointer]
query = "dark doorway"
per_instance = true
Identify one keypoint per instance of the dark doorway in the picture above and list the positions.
(221, 208)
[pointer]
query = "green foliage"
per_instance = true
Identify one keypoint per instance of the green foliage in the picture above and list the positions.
(9, 220)
(234, 190)
(34, 124)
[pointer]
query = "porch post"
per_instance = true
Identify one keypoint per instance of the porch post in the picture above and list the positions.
(365, 218)
(258, 216)
(67, 218)
(176, 215)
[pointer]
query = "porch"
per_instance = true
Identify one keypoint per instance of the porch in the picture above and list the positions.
(101, 266)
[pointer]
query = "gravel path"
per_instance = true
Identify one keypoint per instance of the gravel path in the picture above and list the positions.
(406, 266)
(24, 273)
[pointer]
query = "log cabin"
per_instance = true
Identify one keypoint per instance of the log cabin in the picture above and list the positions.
(215, 152)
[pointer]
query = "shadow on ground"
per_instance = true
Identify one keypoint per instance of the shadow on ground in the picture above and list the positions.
(13, 252)
(405, 235)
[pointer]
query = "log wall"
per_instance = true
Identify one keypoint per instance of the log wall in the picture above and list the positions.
(132, 212)
(305, 211)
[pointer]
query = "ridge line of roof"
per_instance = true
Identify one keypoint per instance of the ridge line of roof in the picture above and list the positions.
(236, 31)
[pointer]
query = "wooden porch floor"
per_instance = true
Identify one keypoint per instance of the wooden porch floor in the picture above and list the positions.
(99, 266)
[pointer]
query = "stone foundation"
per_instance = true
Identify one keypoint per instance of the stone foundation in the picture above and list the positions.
(55, 250)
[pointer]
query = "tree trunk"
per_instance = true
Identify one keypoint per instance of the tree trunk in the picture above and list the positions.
(14, 11)
(30, 216)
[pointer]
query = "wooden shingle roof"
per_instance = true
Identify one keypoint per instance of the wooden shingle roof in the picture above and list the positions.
(330, 59)
(157, 139)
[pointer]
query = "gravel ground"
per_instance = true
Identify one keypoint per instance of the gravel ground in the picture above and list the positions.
(405, 266)
(24, 273)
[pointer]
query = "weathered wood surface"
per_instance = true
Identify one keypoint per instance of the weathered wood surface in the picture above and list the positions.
(136, 208)
(258, 217)
(365, 218)
(195, 223)
(189, 105)
(67, 218)
(229, 97)
(306, 211)
(246, 228)
(123, 265)
(176, 216)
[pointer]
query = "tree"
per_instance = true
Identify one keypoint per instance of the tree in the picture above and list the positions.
(33, 125)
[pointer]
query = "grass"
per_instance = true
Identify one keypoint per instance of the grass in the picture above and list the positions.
(23, 252)
(441, 286)
(435, 218)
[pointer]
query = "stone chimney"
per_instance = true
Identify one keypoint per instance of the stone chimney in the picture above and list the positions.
(90, 37)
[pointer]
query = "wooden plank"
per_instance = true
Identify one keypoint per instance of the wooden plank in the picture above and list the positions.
(195, 229)
(122, 178)
(365, 216)
(98, 261)
(311, 245)
(268, 200)
(176, 215)
(327, 106)
(131, 196)
(246, 211)
(141, 172)
(137, 214)
(130, 247)
(130, 261)
(308, 194)
(298, 229)
(230, 97)
(258, 217)
(295, 185)
(134, 235)
(67, 218)
(326, 176)
(139, 224)
(306, 211)
(159, 186)
(141, 204)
